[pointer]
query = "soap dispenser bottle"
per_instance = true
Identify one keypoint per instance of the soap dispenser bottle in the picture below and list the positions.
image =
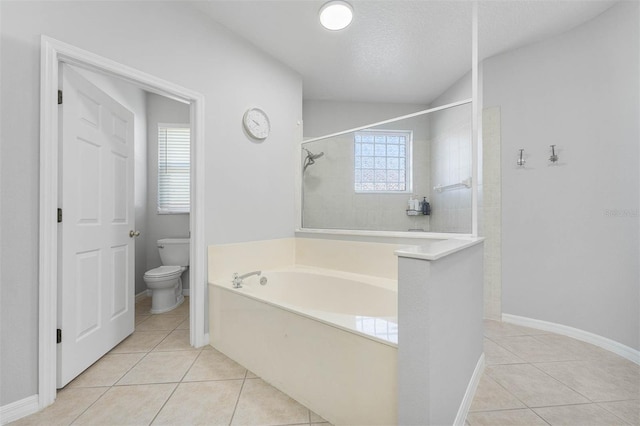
(426, 208)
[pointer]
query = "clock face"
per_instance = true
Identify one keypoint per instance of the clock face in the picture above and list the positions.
(256, 123)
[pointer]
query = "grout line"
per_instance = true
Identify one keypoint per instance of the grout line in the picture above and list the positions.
(90, 405)
(190, 366)
(511, 352)
(615, 414)
(235, 407)
(129, 370)
(561, 382)
(165, 403)
(505, 389)
(539, 416)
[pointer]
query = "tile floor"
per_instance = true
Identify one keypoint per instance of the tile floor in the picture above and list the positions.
(537, 378)
(155, 377)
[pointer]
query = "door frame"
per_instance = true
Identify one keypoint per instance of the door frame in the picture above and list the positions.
(54, 52)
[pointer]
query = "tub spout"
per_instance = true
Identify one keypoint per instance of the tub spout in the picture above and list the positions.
(237, 279)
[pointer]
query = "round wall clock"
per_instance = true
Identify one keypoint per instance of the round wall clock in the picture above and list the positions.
(256, 123)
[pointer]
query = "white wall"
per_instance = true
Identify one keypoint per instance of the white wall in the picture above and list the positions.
(326, 117)
(570, 232)
(440, 330)
(175, 43)
(161, 110)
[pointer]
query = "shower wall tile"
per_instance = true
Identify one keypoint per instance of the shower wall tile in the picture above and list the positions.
(491, 213)
(451, 150)
(329, 199)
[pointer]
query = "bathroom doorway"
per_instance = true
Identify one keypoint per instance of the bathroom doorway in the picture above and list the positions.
(125, 185)
(55, 53)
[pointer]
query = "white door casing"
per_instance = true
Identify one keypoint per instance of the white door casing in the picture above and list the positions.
(96, 261)
(53, 53)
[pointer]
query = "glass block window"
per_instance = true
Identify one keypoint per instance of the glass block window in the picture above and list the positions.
(174, 152)
(382, 161)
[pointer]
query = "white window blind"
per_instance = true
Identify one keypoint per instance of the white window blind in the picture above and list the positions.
(174, 154)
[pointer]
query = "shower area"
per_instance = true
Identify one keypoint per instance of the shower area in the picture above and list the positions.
(377, 177)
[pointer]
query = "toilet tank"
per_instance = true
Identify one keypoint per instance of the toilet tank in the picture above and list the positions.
(174, 251)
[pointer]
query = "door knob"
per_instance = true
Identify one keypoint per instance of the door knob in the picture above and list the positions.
(134, 234)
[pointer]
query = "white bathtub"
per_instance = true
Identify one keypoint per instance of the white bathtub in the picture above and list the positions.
(326, 338)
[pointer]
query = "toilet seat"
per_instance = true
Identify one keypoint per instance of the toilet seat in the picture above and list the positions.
(164, 272)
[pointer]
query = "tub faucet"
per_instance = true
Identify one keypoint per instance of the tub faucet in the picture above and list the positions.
(237, 279)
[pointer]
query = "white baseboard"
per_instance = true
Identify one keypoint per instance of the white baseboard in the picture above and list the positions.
(575, 333)
(19, 409)
(465, 406)
(143, 295)
(147, 293)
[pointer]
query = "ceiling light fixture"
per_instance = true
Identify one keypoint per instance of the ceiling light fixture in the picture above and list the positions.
(336, 15)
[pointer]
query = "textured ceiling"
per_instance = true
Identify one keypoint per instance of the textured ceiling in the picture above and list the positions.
(394, 50)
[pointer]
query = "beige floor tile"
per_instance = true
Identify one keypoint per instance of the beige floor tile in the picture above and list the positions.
(502, 329)
(582, 415)
(490, 396)
(597, 380)
(144, 303)
(183, 309)
(213, 365)
(628, 411)
(578, 349)
(184, 325)
(127, 405)
(262, 404)
(70, 403)
(523, 417)
(143, 307)
(532, 386)
(251, 375)
(140, 341)
(160, 367)
(315, 419)
(177, 340)
(496, 354)
(161, 322)
(532, 350)
(141, 318)
(107, 370)
(201, 403)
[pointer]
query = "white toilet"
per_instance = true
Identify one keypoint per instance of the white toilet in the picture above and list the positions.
(165, 281)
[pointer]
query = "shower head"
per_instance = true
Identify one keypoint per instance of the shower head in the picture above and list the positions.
(310, 159)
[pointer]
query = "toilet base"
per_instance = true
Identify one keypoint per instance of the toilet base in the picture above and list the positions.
(161, 307)
(166, 299)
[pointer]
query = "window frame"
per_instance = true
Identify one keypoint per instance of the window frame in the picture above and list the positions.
(408, 158)
(159, 209)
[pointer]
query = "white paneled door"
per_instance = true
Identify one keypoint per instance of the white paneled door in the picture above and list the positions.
(96, 251)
